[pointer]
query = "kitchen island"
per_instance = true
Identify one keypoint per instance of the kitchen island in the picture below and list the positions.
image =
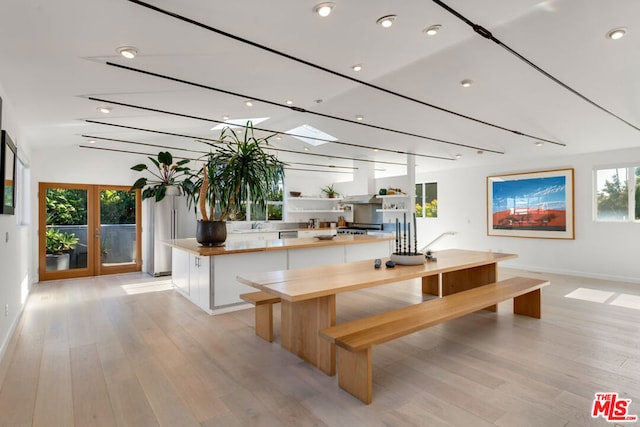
(207, 275)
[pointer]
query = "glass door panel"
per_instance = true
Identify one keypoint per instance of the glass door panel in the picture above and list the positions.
(118, 230)
(65, 244)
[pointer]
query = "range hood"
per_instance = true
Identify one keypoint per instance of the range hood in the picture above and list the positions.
(362, 199)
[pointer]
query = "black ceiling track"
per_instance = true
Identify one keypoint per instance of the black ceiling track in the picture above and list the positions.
(298, 109)
(335, 73)
(283, 150)
(487, 35)
(188, 158)
(349, 144)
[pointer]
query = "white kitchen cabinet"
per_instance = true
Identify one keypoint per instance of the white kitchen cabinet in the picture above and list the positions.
(226, 289)
(199, 279)
(180, 271)
(252, 235)
(191, 277)
(311, 232)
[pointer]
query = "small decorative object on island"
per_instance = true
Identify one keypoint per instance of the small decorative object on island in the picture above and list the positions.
(330, 191)
(234, 173)
(406, 253)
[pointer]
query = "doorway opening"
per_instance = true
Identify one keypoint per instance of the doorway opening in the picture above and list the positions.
(88, 230)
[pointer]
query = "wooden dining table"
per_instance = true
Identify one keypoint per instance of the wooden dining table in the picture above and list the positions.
(308, 295)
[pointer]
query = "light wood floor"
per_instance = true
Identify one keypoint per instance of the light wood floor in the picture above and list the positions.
(123, 350)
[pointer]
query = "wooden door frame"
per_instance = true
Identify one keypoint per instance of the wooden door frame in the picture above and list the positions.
(94, 267)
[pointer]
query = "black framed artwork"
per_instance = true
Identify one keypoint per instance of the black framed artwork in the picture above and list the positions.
(8, 174)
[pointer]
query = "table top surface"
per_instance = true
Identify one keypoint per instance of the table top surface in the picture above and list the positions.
(314, 282)
(241, 246)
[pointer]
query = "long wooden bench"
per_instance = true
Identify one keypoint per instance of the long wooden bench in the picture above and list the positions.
(354, 340)
(264, 312)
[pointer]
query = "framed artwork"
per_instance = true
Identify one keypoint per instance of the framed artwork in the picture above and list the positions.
(532, 204)
(8, 174)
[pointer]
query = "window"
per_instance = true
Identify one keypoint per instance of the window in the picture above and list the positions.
(427, 200)
(617, 194)
(272, 211)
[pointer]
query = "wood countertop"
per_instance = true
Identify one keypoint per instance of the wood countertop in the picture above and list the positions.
(235, 247)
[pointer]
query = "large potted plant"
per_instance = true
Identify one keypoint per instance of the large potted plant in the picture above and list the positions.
(58, 246)
(167, 178)
(235, 171)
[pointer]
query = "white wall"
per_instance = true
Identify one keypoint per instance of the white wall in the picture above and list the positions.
(601, 250)
(15, 250)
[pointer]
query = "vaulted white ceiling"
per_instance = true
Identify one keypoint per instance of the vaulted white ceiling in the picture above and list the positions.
(54, 57)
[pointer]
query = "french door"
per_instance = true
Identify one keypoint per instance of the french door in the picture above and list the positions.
(88, 230)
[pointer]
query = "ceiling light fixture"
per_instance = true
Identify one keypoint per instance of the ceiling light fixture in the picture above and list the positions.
(432, 30)
(375, 150)
(128, 52)
(458, 156)
(324, 9)
(104, 110)
(386, 21)
(92, 141)
(359, 117)
(248, 103)
(357, 67)
(466, 82)
(225, 117)
(289, 101)
(617, 33)
(539, 143)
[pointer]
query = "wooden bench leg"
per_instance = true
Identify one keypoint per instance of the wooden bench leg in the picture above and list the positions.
(528, 304)
(355, 373)
(264, 321)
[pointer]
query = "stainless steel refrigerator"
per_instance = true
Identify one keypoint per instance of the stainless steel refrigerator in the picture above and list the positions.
(165, 220)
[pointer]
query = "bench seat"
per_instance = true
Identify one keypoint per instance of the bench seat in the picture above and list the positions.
(354, 340)
(263, 312)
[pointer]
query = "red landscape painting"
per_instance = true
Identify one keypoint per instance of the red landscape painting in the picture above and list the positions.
(530, 219)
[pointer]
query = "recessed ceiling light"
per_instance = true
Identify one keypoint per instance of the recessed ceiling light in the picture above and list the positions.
(617, 33)
(357, 67)
(289, 101)
(306, 148)
(458, 156)
(128, 52)
(386, 21)
(279, 137)
(318, 101)
(466, 82)
(359, 117)
(539, 143)
(225, 117)
(324, 9)
(92, 141)
(432, 30)
(480, 152)
(248, 103)
(376, 150)
(104, 109)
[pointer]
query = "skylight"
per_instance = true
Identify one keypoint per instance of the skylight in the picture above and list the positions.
(238, 123)
(307, 134)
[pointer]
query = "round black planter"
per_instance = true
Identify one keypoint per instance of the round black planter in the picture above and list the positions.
(211, 233)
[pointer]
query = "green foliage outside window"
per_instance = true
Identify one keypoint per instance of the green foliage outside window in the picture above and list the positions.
(117, 207)
(66, 206)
